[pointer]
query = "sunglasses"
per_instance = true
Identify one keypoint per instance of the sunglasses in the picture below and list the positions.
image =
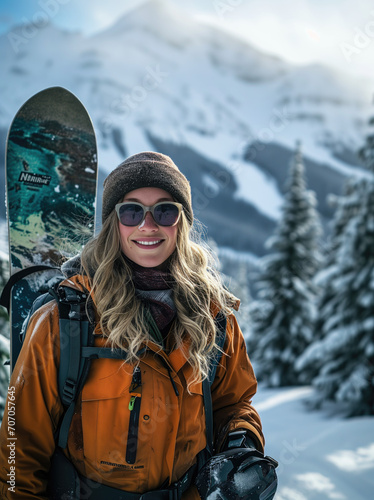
(165, 213)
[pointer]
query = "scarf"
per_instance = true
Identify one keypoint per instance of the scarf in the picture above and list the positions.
(154, 288)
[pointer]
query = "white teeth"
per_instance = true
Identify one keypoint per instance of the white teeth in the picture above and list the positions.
(148, 243)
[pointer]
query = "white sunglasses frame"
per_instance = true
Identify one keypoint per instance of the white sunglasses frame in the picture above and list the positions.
(149, 209)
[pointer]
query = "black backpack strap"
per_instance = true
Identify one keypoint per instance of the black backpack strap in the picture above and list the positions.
(208, 409)
(221, 322)
(76, 330)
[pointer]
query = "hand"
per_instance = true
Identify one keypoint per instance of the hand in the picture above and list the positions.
(240, 463)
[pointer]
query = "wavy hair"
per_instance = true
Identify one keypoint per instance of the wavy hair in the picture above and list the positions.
(197, 288)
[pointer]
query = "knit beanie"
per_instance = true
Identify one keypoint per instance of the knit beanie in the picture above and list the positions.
(147, 169)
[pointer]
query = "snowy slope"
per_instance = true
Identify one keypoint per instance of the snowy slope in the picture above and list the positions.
(321, 457)
(229, 114)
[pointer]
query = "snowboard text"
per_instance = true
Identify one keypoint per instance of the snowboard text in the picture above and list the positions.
(35, 179)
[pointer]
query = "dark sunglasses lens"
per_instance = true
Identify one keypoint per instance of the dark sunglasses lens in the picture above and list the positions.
(166, 214)
(130, 214)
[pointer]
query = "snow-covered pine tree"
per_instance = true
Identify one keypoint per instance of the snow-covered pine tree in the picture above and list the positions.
(344, 356)
(4, 344)
(346, 206)
(284, 314)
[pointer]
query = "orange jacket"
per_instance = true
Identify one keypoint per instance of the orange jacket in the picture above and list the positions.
(171, 427)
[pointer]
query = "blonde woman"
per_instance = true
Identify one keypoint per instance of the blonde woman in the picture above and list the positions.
(141, 427)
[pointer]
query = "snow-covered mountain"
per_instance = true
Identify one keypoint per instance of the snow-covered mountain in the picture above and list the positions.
(228, 114)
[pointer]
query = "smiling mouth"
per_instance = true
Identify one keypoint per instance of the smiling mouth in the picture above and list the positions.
(148, 244)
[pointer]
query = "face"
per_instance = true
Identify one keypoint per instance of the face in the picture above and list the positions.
(148, 244)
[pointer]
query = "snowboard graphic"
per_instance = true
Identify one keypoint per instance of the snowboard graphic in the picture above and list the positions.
(51, 174)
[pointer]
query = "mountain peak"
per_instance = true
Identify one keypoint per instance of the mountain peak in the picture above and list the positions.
(155, 6)
(155, 14)
(152, 22)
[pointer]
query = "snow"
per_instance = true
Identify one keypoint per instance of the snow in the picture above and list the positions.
(282, 398)
(321, 456)
(253, 184)
(354, 460)
(319, 483)
(136, 139)
(211, 184)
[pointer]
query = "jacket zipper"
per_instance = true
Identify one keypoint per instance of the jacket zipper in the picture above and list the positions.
(134, 408)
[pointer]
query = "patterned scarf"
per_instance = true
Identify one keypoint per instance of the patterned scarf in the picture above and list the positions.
(154, 288)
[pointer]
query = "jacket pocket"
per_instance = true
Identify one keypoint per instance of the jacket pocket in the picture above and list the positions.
(106, 417)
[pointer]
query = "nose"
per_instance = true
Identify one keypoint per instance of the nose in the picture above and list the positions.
(148, 223)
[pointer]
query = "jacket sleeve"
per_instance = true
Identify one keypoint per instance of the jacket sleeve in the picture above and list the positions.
(34, 403)
(233, 389)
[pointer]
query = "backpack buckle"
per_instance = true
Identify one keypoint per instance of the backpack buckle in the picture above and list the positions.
(71, 296)
(69, 390)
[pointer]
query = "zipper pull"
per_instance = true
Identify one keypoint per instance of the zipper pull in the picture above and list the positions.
(132, 402)
(136, 379)
(135, 387)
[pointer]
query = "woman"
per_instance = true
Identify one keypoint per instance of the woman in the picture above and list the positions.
(156, 297)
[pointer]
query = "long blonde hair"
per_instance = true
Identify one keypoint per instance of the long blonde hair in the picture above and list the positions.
(197, 287)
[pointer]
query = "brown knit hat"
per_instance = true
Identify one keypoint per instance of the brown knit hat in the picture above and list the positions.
(146, 169)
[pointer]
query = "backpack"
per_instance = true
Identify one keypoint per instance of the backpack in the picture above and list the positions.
(77, 348)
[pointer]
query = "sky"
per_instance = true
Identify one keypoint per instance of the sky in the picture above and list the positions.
(339, 33)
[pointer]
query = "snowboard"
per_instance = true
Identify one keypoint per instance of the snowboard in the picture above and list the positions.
(51, 177)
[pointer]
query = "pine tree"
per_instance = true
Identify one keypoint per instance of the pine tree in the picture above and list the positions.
(343, 359)
(283, 316)
(346, 207)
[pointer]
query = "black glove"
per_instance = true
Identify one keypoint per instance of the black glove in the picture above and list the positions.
(239, 471)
